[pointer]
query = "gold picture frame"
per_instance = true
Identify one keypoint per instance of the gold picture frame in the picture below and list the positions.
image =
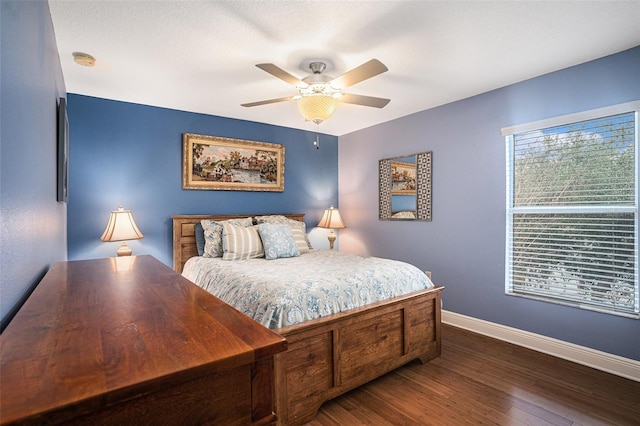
(403, 178)
(217, 163)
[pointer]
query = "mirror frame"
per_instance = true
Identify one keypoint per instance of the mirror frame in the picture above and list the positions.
(423, 189)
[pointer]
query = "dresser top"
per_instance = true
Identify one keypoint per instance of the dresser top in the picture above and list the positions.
(116, 328)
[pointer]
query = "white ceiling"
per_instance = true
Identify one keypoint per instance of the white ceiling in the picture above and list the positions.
(199, 55)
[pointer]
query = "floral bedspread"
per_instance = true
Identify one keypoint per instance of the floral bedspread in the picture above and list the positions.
(287, 291)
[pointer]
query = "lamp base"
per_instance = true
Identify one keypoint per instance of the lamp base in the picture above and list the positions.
(124, 250)
(332, 238)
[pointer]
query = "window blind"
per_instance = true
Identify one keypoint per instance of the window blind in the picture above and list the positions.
(572, 226)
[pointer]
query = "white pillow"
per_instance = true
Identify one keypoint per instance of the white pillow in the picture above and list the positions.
(241, 243)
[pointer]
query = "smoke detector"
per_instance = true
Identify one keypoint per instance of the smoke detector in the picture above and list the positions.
(84, 59)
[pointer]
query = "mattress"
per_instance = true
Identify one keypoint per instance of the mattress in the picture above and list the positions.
(286, 291)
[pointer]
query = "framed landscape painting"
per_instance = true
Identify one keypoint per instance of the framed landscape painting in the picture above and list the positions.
(216, 163)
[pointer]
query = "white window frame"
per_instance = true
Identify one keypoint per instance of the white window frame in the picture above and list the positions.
(508, 133)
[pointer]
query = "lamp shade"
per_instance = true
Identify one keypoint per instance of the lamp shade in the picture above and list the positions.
(331, 219)
(317, 108)
(121, 227)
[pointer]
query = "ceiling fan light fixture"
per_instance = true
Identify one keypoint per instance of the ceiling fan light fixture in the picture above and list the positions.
(319, 94)
(317, 108)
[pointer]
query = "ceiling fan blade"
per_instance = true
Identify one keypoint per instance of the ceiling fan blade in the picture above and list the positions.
(268, 101)
(369, 101)
(281, 74)
(360, 73)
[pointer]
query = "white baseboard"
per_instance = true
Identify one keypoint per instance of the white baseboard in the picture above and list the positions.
(610, 363)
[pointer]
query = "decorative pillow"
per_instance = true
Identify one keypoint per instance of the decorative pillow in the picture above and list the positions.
(213, 234)
(280, 219)
(199, 238)
(300, 238)
(278, 241)
(240, 242)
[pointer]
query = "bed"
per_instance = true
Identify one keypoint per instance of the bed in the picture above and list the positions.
(332, 354)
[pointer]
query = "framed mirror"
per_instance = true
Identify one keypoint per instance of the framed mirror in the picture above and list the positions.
(405, 187)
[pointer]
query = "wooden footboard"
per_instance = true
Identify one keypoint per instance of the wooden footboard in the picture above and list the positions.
(330, 356)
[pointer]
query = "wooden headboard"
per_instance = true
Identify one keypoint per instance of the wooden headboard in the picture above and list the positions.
(184, 236)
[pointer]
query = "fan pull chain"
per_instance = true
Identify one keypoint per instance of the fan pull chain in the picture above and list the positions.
(316, 143)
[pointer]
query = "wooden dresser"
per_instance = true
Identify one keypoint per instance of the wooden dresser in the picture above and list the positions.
(129, 341)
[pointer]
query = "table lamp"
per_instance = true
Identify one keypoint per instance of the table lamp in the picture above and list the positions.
(121, 227)
(331, 219)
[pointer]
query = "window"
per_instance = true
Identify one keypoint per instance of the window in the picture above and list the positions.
(572, 210)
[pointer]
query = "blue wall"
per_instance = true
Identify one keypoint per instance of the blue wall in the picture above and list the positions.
(32, 222)
(130, 154)
(464, 245)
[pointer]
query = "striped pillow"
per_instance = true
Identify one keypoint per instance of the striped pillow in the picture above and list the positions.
(239, 243)
(213, 234)
(301, 240)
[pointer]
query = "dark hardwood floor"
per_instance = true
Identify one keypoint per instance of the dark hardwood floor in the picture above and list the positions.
(479, 380)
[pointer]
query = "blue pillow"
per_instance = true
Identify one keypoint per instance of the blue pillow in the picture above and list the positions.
(199, 238)
(278, 241)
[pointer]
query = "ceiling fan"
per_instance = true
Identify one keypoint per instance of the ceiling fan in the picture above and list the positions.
(319, 94)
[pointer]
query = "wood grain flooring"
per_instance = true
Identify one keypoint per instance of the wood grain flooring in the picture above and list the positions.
(483, 381)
